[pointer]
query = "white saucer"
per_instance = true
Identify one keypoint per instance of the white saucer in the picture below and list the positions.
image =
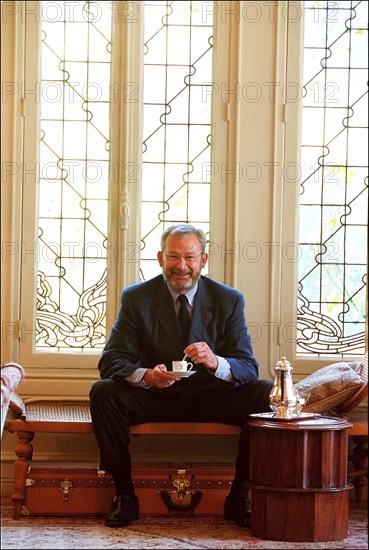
(183, 374)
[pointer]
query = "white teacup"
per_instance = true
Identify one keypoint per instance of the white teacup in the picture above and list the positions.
(181, 366)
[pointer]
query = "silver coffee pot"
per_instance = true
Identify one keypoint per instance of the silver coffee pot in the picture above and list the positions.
(284, 398)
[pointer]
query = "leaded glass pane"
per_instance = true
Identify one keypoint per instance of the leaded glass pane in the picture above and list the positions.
(73, 190)
(177, 68)
(334, 194)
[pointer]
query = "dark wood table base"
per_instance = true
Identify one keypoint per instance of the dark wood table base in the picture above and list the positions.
(298, 479)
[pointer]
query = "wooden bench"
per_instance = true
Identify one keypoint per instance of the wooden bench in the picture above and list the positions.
(74, 417)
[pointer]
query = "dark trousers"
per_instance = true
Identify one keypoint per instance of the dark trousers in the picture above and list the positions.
(115, 407)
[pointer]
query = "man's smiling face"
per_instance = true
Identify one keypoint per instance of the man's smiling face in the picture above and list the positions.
(182, 262)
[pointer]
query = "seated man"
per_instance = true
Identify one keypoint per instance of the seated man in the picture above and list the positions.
(152, 329)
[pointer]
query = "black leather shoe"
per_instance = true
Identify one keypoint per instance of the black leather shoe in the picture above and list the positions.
(123, 511)
(238, 509)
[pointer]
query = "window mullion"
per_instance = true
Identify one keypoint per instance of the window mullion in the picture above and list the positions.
(30, 180)
(12, 41)
(125, 152)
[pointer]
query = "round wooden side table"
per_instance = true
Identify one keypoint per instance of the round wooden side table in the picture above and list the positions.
(298, 478)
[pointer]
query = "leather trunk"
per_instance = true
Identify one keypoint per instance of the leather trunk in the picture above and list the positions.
(162, 489)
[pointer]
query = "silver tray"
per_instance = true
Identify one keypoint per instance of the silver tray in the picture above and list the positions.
(272, 416)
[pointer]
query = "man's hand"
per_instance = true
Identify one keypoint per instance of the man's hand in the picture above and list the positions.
(159, 377)
(199, 352)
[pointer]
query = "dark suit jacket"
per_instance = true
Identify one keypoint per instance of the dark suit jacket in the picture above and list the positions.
(146, 332)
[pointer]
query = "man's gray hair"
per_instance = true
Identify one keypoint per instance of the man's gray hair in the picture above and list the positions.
(183, 230)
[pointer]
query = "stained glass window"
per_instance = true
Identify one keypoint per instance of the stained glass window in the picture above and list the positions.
(177, 115)
(73, 189)
(74, 154)
(334, 184)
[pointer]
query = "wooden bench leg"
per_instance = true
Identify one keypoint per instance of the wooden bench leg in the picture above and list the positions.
(359, 460)
(23, 450)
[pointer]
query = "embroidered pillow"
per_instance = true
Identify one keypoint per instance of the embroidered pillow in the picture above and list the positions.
(329, 386)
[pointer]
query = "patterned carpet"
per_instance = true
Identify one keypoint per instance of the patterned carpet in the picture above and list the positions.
(156, 532)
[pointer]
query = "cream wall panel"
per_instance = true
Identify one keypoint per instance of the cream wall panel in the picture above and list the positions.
(12, 44)
(260, 125)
